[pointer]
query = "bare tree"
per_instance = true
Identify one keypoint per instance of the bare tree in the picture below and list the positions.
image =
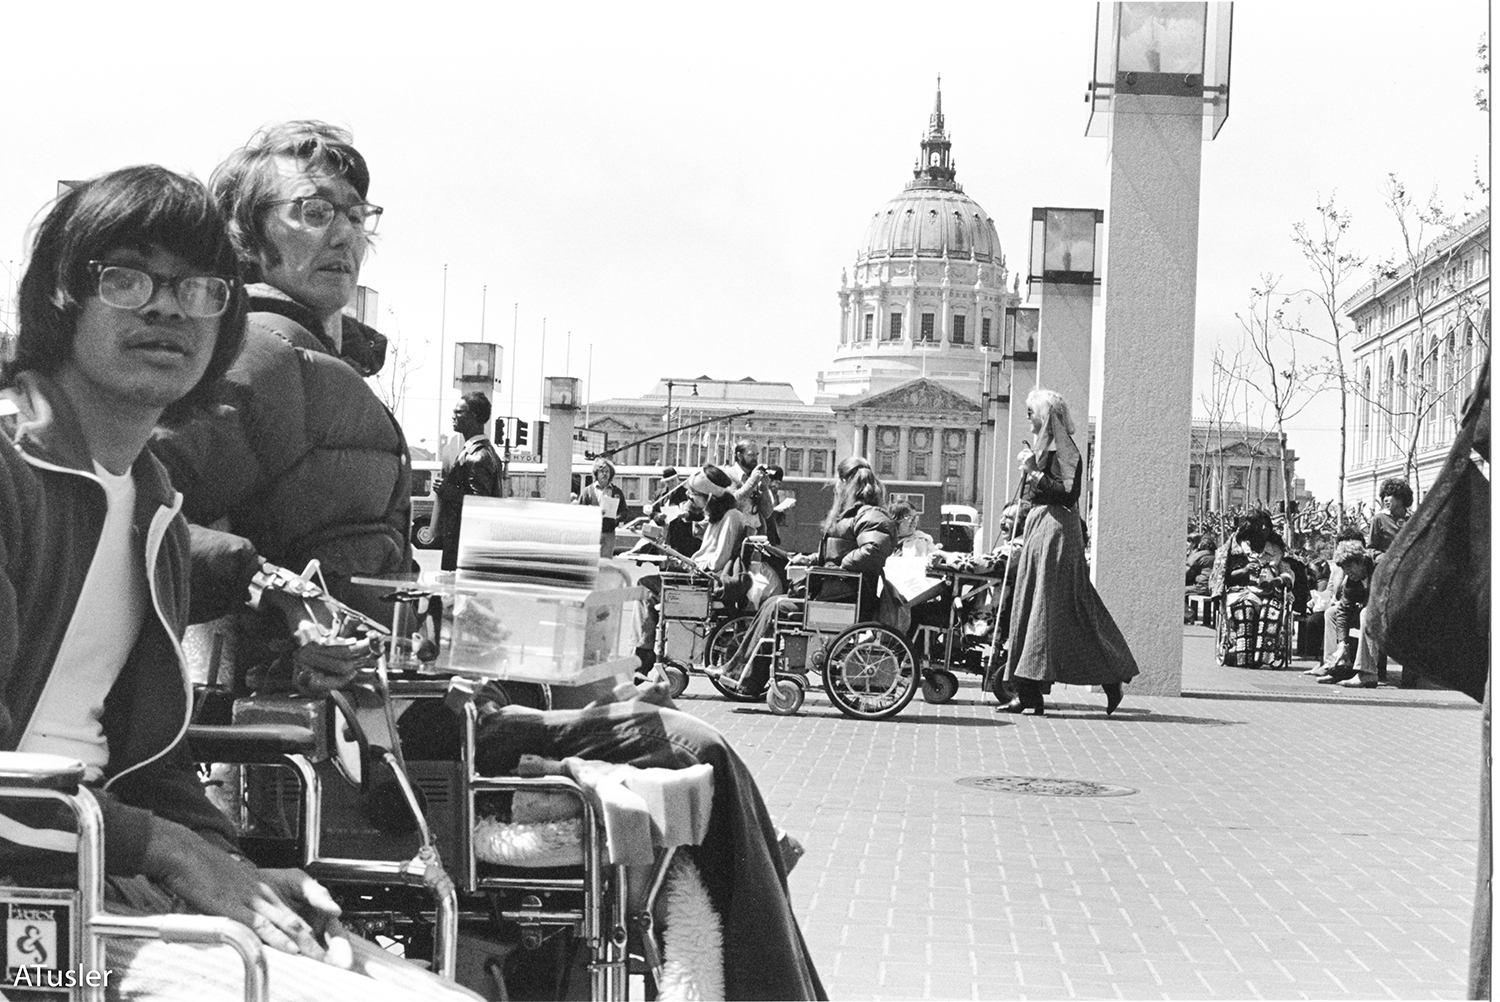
(1482, 94)
(1275, 375)
(1332, 266)
(402, 357)
(1218, 403)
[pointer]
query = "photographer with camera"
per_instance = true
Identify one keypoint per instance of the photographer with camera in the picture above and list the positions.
(752, 490)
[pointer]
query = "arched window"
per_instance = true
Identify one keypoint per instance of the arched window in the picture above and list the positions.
(1387, 409)
(1467, 366)
(1429, 391)
(1364, 421)
(1449, 377)
(1404, 399)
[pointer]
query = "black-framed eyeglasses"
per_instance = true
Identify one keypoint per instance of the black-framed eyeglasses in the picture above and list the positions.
(317, 212)
(127, 288)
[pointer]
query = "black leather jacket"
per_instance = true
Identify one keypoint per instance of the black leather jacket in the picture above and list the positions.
(1045, 485)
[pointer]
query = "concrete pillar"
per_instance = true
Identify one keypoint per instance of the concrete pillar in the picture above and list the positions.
(560, 453)
(1146, 414)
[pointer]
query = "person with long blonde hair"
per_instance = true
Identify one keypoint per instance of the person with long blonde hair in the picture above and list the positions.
(858, 535)
(1060, 630)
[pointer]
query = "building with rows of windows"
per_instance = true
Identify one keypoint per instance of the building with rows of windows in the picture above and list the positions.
(1236, 465)
(925, 318)
(1422, 332)
(921, 321)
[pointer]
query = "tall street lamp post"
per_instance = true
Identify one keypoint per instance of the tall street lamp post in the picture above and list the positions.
(1160, 90)
(1064, 272)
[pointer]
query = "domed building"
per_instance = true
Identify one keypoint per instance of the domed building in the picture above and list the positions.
(920, 318)
(928, 293)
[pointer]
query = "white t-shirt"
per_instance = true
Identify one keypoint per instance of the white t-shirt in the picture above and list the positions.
(106, 622)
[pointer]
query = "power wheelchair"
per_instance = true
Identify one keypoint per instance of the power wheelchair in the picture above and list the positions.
(374, 791)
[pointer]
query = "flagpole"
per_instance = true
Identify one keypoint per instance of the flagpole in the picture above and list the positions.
(437, 443)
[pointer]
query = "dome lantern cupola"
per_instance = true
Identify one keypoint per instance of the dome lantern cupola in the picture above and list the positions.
(935, 168)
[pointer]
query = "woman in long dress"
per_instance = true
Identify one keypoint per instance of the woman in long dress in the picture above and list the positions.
(1060, 630)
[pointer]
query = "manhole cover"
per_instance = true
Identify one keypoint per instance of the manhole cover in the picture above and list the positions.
(1043, 787)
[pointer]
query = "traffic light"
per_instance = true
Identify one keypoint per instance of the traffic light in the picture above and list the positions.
(523, 434)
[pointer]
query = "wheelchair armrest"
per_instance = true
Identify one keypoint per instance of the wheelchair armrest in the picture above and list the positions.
(31, 771)
(194, 929)
(257, 743)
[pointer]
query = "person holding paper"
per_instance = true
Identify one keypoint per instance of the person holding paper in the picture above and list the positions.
(609, 499)
(910, 541)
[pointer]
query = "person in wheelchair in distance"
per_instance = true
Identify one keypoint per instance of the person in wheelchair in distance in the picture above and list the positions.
(858, 535)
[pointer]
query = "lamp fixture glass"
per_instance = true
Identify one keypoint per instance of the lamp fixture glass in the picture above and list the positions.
(1163, 50)
(1064, 245)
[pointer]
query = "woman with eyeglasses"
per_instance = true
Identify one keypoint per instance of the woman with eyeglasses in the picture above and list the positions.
(297, 454)
(1060, 630)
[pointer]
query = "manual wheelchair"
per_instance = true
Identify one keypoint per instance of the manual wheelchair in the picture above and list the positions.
(966, 639)
(698, 621)
(869, 670)
(1254, 633)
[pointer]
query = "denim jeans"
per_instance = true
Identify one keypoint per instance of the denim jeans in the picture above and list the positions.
(765, 956)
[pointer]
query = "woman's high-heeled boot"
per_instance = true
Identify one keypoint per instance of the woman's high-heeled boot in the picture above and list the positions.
(1113, 693)
(1030, 694)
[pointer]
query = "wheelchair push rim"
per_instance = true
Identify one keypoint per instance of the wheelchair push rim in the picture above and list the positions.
(722, 644)
(871, 672)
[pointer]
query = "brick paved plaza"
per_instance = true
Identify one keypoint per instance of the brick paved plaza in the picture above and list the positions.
(1285, 841)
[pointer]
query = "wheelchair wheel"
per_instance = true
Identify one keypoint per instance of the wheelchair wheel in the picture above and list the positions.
(784, 697)
(939, 686)
(722, 643)
(871, 672)
(677, 678)
(994, 679)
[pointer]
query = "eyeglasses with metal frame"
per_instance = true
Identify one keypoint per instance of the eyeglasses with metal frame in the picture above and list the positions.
(128, 288)
(317, 212)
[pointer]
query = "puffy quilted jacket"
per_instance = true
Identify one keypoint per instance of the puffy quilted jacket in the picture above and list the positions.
(298, 455)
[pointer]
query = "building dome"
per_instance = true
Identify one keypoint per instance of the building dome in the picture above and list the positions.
(931, 222)
(926, 297)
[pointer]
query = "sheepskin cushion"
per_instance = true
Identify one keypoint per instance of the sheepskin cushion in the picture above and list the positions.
(529, 843)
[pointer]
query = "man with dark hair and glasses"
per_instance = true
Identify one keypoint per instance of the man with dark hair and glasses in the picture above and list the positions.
(298, 455)
(130, 308)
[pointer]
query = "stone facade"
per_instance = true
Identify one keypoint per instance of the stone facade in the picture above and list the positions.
(929, 291)
(928, 294)
(1234, 465)
(1422, 334)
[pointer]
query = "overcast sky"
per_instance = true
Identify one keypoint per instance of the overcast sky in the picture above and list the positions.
(679, 186)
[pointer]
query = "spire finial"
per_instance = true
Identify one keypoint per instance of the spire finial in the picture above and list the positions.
(935, 164)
